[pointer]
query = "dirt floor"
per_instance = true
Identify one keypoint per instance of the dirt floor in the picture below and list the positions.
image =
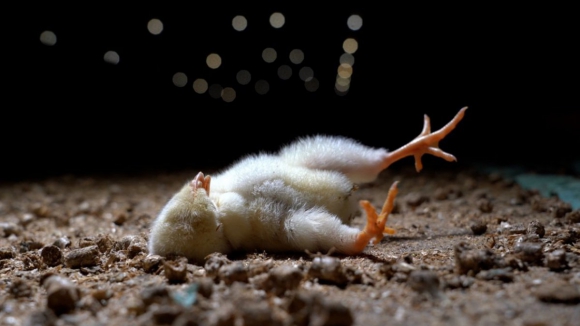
(470, 249)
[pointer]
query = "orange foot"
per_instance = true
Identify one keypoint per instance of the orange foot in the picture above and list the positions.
(375, 227)
(426, 143)
(200, 182)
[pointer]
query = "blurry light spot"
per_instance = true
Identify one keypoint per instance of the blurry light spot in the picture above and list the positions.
(339, 92)
(284, 72)
(48, 38)
(200, 85)
(243, 77)
(354, 22)
(213, 61)
(179, 79)
(341, 88)
(342, 81)
(350, 45)
(277, 20)
(155, 26)
(111, 57)
(239, 23)
(312, 85)
(269, 55)
(228, 94)
(215, 91)
(345, 70)
(296, 56)
(306, 73)
(347, 58)
(262, 87)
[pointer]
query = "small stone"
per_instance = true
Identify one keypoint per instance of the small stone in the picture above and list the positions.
(414, 199)
(283, 278)
(424, 281)
(535, 227)
(83, 257)
(313, 309)
(235, 272)
(7, 253)
(558, 292)
(496, 274)
(158, 294)
(556, 260)
(478, 228)
(10, 229)
(329, 270)
(151, 263)
(62, 242)
(213, 262)
(573, 217)
(472, 260)
(485, 205)
(62, 295)
(559, 209)
(530, 252)
(176, 270)
(51, 255)
(19, 288)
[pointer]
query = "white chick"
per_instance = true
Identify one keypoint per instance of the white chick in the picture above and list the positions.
(298, 199)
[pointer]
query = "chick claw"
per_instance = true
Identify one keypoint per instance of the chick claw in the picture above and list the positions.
(200, 181)
(426, 143)
(375, 227)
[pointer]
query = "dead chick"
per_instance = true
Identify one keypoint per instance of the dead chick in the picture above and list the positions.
(297, 199)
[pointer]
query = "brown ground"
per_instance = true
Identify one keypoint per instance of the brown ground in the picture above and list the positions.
(469, 250)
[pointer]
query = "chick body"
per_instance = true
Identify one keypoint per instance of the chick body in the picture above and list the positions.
(297, 199)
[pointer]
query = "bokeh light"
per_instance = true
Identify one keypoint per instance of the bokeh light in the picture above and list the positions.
(306, 73)
(345, 70)
(262, 87)
(111, 57)
(284, 72)
(215, 91)
(350, 45)
(269, 55)
(228, 94)
(354, 22)
(213, 61)
(296, 56)
(155, 26)
(347, 58)
(200, 85)
(48, 38)
(312, 85)
(239, 23)
(277, 20)
(179, 79)
(244, 77)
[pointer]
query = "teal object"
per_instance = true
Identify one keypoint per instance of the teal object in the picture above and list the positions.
(187, 297)
(566, 187)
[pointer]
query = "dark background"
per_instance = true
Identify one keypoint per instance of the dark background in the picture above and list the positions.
(66, 111)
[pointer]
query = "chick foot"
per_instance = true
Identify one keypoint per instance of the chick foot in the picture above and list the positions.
(426, 143)
(200, 182)
(375, 227)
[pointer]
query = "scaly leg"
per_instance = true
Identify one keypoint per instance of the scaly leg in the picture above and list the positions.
(375, 227)
(426, 143)
(200, 181)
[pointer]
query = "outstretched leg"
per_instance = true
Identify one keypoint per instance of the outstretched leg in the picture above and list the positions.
(426, 143)
(375, 227)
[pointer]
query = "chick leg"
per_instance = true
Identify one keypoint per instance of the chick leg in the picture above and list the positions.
(426, 143)
(375, 227)
(200, 182)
